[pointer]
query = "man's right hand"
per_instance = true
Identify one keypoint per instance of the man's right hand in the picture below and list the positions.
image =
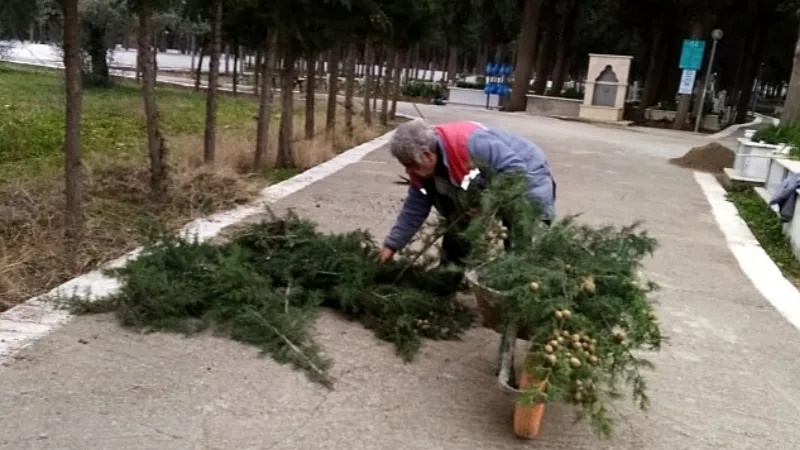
(386, 254)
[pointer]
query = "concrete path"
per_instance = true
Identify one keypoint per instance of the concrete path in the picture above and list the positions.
(726, 381)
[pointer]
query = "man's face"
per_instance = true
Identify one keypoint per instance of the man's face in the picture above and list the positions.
(424, 169)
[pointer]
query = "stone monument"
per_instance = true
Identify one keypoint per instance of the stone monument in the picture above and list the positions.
(606, 87)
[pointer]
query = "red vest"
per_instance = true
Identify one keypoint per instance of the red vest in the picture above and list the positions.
(454, 137)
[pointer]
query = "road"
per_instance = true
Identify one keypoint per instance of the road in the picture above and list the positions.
(727, 379)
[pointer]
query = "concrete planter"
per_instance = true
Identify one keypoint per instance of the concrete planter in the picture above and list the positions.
(553, 106)
(779, 169)
(754, 160)
(710, 121)
(471, 97)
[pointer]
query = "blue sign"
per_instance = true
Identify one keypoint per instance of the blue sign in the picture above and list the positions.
(692, 54)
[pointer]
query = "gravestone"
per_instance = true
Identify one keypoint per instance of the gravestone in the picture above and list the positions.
(606, 87)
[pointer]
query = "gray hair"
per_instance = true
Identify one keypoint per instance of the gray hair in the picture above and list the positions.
(410, 140)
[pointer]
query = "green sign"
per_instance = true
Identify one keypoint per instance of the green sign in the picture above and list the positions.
(692, 54)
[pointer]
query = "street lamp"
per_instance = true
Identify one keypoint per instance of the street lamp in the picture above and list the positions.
(716, 35)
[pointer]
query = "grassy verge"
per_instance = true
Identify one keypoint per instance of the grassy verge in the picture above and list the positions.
(119, 209)
(767, 228)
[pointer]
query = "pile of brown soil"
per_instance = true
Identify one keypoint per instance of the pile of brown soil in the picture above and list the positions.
(712, 158)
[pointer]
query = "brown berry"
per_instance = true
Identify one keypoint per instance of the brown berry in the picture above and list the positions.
(565, 333)
(553, 343)
(575, 362)
(576, 345)
(551, 359)
(548, 348)
(593, 360)
(576, 337)
(534, 286)
(567, 314)
(588, 285)
(578, 397)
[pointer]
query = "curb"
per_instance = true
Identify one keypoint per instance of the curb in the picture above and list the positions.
(37, 317)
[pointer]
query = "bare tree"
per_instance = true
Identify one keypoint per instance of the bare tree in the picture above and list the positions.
(311, 89)
(209, 149)
(72, 127)
(369, 61)
(285, 144)
(387, 83)
(265, 104)
(349, 87)
(157, 149)
(333, 90)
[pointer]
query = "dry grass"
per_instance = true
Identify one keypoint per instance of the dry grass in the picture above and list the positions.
(119, 209)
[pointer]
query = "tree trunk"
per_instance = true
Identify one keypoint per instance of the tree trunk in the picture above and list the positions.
(452, 63)
(72, 126)
(349, 87)
(209, 149)
(527, 45)
(311, 88)
(543, 61)
(333, 90)
(378, 72)
(285, 145)
(256, 70)
(387, 80)
(685, 100)
(480, 63)
(756, 52)
(236, 73)
(96, 48)
(264, 104)
(199, 71)
(156, 147)
(227, 59)
(564, 51)
(654, 74)
(791, 107)
(406, 69)
(367, 83)
(396, 82)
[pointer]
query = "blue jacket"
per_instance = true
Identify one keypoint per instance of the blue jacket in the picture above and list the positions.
(502, 152)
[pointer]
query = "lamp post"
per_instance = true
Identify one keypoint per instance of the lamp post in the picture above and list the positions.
(716, 35)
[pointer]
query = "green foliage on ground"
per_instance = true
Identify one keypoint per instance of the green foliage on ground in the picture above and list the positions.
(32, 120)
(578, 293)
(766, 227)
(781, 134)
(266, 285)
(423, 89)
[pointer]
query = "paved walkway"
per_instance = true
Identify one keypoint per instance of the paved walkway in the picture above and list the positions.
(726, 381)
